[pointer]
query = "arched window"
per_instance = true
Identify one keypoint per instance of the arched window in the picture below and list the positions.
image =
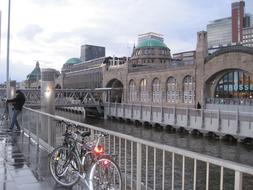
(171, 90)
(235, 84)
(188, 89)
(156, 96)
(143, 91)
(132, 91)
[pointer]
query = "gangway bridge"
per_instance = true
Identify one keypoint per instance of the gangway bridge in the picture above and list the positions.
(87, 98)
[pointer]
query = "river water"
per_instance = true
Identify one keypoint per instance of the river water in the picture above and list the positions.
(233, 151)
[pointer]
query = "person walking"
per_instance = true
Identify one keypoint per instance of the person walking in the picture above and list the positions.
(17, 103)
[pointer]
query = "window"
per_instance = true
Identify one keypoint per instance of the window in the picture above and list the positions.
(143, 91)
(188, 89)
(172, 94)
(132, 91)
(234, 84)
(156, 95)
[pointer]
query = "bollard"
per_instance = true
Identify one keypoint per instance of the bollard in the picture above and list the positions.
(48, 105)
(11, 86)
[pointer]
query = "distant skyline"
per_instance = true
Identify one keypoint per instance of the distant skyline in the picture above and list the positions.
(53, 31)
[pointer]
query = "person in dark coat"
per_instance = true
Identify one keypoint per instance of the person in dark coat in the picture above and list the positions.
(17, 103)
(198, 106)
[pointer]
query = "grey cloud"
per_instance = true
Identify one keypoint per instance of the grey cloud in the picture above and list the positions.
(30, 31)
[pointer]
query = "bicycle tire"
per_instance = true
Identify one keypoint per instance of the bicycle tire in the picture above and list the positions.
(58, 158)
(105, 175)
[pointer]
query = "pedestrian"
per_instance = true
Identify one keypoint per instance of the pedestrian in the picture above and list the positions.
(17, 103)
(198, 106)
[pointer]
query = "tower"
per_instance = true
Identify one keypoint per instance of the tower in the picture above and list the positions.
(201, 53)
(237, 13)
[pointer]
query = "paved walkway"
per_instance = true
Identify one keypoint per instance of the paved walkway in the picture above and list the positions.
(24, 165)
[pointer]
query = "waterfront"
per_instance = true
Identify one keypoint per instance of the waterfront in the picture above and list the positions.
(237, 152)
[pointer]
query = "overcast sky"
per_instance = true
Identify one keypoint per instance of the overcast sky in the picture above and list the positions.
(52, 31)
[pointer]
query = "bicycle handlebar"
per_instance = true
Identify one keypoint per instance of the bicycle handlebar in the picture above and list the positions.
(84, 134)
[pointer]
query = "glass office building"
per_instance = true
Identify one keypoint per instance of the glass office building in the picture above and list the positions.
(219, 32)
(247, 38)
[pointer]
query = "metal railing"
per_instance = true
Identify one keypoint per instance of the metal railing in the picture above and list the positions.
(234, 123)
(230, 101)
(145, 164)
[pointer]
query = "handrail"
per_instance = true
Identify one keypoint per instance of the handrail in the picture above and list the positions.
(201, 157)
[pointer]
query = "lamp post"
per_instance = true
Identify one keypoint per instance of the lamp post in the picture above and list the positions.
(8, 51)
(48, 104)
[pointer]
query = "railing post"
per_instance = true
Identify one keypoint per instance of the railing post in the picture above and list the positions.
(162, 114)
(49, 135)
(175, 114)
(141, 114)
(202, 118)
(238, 180)
(238, 121)
(139, 164)
(109, 107)
(187, 117)
(151, 114)
(124, 110)
(37, 129)
(115, 110)
(48, 104)
(29, 125)
(132, 111)
(219, 121)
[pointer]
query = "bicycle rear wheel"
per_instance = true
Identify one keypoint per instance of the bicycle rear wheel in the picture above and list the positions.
(64, 166)
(105, 175)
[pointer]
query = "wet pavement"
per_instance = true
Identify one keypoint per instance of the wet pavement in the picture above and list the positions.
(24, 165)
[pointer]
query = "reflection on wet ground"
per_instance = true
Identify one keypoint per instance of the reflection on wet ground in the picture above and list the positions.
(24, 165)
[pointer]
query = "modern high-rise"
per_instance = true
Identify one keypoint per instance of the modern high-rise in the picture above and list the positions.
(231, 30)
(247, 32)
(89, 52)
(149, 35)
(219, 32)
(237, 20)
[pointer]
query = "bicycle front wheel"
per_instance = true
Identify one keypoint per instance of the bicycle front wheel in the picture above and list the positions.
(64, 166)
(105, 175)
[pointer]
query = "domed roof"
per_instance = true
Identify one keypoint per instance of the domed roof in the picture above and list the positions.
(151, 43)
(35, 74)
(73, 61)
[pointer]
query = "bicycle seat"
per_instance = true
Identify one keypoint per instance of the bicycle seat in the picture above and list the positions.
(85, 134)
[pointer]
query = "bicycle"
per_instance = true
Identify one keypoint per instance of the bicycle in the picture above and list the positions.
(68, 163)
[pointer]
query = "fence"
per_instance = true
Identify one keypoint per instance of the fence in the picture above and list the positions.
(148, 165)
(234, 123)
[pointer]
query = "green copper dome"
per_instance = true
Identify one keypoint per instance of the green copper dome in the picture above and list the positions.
(73, 61)
(35, 74)
(151, 43)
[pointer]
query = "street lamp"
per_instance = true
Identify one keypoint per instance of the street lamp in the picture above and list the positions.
(8, 51)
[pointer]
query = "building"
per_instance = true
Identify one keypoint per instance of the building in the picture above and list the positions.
(89, 52)
(248, 36)
(187, 57)
(34, 77)
(222, 77)
(150, 35)
(77, 73)
(219, 32)
(231, 30)
(150, 49)
(237, 13)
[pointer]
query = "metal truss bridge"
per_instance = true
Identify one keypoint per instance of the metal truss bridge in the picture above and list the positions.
(87, 98)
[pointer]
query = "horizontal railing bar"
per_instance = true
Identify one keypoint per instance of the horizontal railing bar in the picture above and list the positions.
(194, 155)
